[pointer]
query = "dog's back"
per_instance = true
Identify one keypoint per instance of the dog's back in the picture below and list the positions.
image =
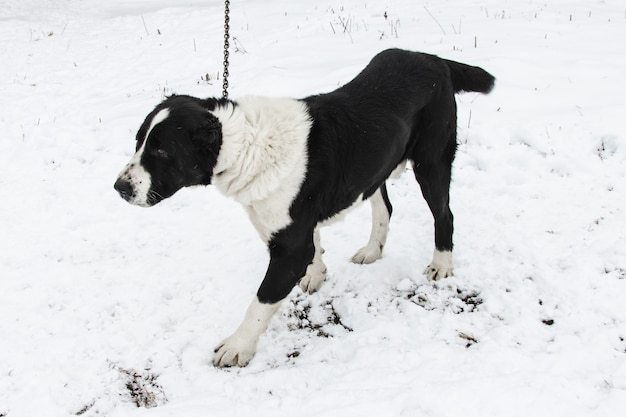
(400, 106)
(396, 73)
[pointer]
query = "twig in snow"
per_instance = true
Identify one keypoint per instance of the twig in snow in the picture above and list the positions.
(144, 25)
(435, 19)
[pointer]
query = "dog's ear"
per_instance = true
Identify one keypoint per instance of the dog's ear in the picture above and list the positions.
(208, 135)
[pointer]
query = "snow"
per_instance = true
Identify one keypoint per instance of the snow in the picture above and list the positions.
(109, 309)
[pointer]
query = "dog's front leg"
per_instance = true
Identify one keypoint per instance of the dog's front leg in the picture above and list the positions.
(289, 259)
(240, 347)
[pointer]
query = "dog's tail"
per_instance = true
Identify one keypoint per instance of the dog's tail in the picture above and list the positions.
(468, 78)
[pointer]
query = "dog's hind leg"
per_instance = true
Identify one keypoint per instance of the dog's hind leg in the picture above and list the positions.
(381, 213)
(316, 271)
(435, 183)
(433, 177)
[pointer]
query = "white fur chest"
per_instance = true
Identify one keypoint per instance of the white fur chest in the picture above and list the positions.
(263, 159)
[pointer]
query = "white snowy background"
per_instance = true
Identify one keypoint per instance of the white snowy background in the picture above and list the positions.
(112, 310)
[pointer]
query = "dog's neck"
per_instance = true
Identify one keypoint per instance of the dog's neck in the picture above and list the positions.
(264, 147)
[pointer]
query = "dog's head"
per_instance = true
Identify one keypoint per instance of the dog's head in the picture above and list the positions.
(177, 146)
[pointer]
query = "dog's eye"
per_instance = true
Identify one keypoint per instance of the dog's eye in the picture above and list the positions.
(161, 153)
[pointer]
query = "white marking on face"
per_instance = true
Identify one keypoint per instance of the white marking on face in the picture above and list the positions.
(158, 118)
(135, 173)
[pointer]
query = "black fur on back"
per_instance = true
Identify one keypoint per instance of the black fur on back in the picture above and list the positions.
(402, 102)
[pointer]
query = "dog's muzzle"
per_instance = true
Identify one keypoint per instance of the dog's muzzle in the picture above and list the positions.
(125, 189)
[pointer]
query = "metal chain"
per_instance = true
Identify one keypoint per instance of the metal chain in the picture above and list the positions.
(226, 45)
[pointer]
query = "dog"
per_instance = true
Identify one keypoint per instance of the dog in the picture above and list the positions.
(297, 164)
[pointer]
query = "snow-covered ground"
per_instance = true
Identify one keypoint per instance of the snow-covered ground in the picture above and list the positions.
(105, 306)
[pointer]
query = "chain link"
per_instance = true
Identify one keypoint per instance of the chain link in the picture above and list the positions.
(226, 45)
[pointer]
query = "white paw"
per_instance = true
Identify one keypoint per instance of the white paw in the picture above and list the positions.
(367, 254)
(435, 272)
(314, 277)
(440, 267)
(234, 351)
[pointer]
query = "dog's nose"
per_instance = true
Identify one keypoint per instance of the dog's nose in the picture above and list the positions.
(124, 188)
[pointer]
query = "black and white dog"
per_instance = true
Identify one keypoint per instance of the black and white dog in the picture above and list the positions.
(298, 164)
